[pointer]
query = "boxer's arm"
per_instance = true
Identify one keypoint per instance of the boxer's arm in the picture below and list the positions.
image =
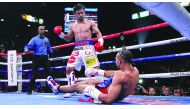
(69, 35)
(113, 91)
(99, 72)
(109, 73)
(96, 30)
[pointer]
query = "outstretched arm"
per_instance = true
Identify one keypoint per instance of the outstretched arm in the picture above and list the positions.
(99, 72)
(68, 37)
(110, 73)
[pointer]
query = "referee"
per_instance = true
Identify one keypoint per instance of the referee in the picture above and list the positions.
(40, 45)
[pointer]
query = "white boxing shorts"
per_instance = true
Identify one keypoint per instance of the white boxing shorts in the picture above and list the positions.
(83, 53)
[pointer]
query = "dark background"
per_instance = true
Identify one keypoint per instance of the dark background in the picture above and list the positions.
(112, 18)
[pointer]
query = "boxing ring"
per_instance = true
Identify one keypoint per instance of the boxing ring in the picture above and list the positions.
(21, 98)
(17, 98)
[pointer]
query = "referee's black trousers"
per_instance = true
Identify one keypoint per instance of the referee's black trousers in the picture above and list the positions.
(37, 62)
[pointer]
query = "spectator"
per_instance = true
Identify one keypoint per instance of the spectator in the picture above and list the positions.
(152, 91)
(177, 91)
(166, 91)
(162, 90)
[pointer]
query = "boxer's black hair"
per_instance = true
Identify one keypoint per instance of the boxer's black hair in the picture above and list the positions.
(78, 7)
(126, 55)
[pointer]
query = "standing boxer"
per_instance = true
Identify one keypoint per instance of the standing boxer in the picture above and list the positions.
(84, 51)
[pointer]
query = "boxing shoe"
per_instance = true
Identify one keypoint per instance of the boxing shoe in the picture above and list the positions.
(52, 84)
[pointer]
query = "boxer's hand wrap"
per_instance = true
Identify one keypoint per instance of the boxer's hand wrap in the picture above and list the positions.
(101, 40)
(89, 72)
(62, 35)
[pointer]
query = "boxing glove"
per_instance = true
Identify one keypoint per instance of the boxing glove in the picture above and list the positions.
(58, 30)
(99, 47)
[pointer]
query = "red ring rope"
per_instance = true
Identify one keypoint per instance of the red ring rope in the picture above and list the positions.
(161, 25)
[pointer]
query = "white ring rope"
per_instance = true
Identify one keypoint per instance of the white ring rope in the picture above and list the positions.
(42, 80)
(158, 43)
(3, 63)
(157, 75)
(165, 75)
(151, 44)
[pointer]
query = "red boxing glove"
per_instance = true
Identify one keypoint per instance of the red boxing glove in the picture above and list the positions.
(58, 30)
(99, 47)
